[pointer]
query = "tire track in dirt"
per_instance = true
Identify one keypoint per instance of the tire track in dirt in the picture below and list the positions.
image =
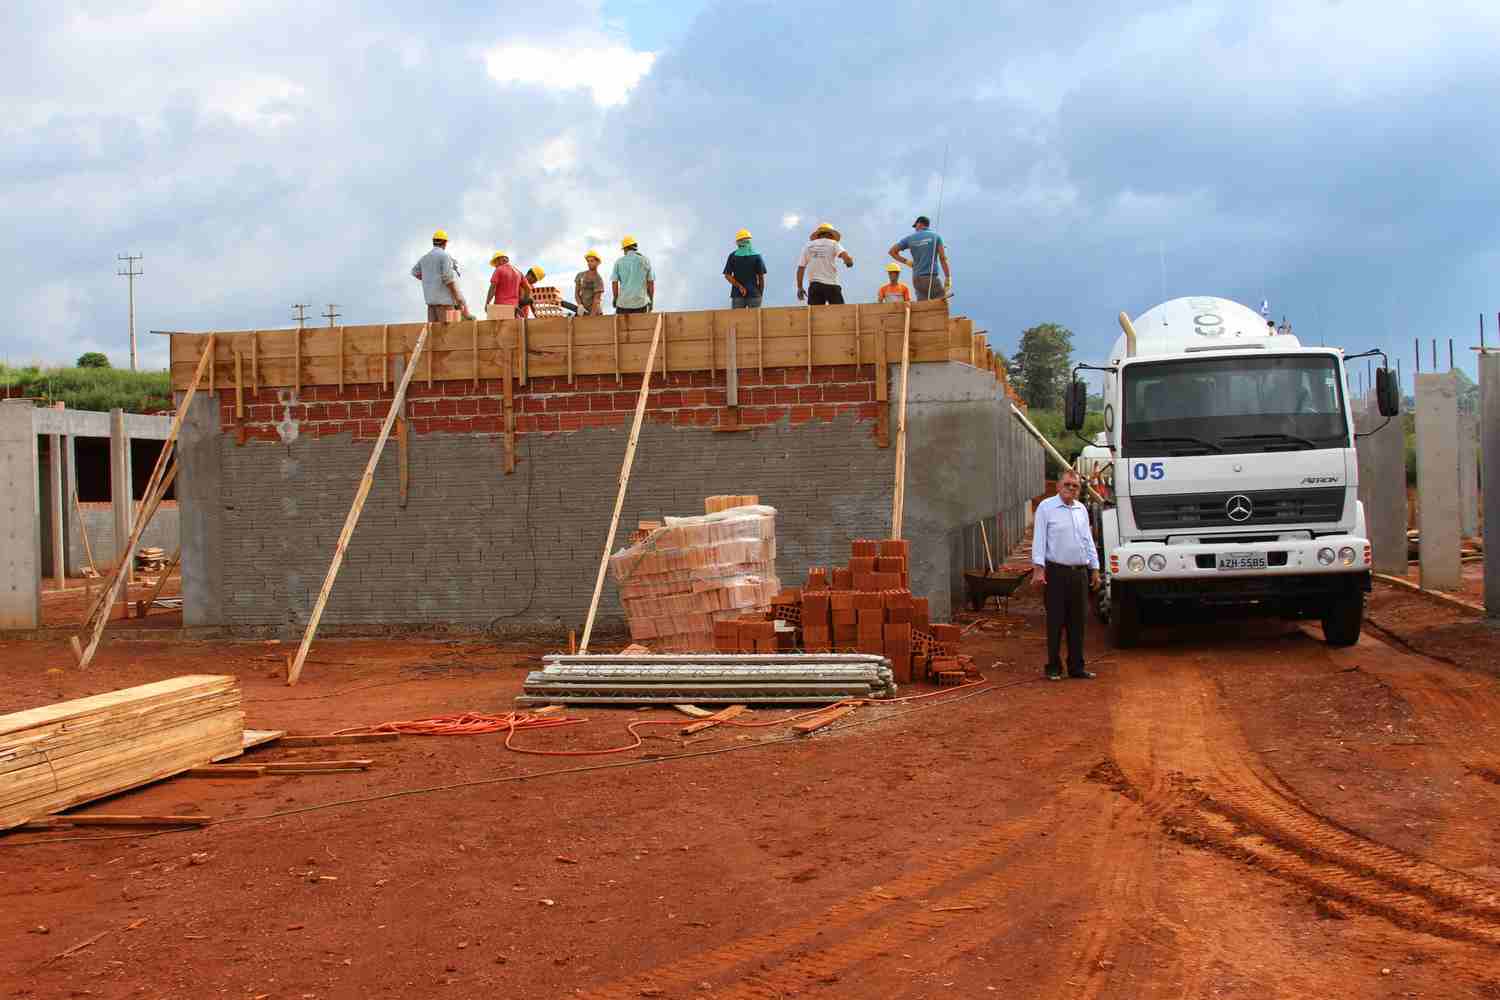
(1188, 762)
(864, 927)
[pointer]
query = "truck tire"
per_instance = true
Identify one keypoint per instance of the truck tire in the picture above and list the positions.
(1124, 616)
(1343, 619)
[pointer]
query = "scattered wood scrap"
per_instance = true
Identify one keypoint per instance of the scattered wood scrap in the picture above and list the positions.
(713, 720)
(112, 819)
(71, 752)
(816, 722)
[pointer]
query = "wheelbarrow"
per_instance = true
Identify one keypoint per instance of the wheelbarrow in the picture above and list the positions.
(980, 586)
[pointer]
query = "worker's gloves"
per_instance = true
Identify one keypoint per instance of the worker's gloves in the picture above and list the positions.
(801, 295)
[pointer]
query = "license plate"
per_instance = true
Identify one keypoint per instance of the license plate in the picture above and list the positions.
(1242, 560)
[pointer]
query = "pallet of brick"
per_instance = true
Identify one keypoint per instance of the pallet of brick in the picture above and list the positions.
(692, 572)
(72, 752)
(716, 504)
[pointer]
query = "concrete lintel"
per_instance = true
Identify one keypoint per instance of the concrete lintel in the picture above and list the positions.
(20, 518)
(1437, 474)
(91, 423)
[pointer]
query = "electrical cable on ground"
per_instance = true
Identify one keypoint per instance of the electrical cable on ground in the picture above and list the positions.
(512, 778)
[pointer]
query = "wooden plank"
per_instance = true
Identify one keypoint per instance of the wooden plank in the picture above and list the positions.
(334, 741)
(354, 763)
(809, 343)
(405, 470)
(570, 350)
(297, 387)
(385, 354)
(713, 720)
(816, 722)
(616, 318)
(239, 388)
(857, 335)
(898, 502)
(83, 530)
(294, 666)
(760, 346)
(525, 351)
(429, 366)
(474, 335)
(614, 524)
(226, 771)
(341, 361)
(115, 819)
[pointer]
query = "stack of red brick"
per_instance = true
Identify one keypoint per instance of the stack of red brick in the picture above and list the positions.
(864, 607)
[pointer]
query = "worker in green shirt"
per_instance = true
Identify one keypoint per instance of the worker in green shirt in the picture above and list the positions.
(632, 282)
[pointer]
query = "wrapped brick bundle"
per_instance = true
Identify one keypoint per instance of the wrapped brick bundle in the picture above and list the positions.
(682, 577)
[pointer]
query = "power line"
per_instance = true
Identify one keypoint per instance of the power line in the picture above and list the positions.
(332, 313)
(130, 274)
(301, 314)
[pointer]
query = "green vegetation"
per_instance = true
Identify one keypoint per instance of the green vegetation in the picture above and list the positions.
(1040, 368)
(1050, 423)
(90, 388)
(92, 359)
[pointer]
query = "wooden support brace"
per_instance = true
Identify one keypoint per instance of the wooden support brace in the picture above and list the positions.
(614, 524)
(294, 664)
(239, 387)
(255, 362)
(760, 345)
(809, 344)
(429, 362)
(297, 364)
(570, 350)
(856, 338)
(401, 449)
(882, 391)
(617, 348)
(385, 354)
(898, 508)
(474, 336)
(341, 361)
(525, 350)
(507, 375)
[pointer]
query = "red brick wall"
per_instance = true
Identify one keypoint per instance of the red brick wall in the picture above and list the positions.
(554, 405)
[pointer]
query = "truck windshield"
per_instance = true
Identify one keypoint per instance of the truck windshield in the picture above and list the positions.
(1210, 406)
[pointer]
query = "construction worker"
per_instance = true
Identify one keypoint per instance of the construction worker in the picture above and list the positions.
(632, 283)
(438, 273)
(745, 271)
(927, 251)
(893, 290)
(507, 286)
(588, 287)
(533, 278)
(819, 261)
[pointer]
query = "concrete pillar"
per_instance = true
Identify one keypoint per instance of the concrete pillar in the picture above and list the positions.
(57, 507)
(20, 518)
(70, 511)
(1437, 471)
(1468, 475)
(1489, 397)
(121, 489)
(1382, 486)
(200, 507)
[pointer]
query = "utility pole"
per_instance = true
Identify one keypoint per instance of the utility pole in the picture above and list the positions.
(130, 274)
(332, 313)
(301, 316)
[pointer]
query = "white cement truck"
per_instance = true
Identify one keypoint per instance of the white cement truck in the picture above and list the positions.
(1233, 481)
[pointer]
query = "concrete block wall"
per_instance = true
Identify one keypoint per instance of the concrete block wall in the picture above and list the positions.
(263, 500)
(99, 519)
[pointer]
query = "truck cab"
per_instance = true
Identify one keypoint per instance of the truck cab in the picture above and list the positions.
(1235, 485)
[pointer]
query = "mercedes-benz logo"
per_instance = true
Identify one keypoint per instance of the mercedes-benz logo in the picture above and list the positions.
(1239, 508)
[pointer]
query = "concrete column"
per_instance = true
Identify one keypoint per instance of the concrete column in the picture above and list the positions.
(1489, 396)
(1382, 486)
(1468, 475)
(1437, 471)
(57, 509)
(70, 490)
(20, 518)
(200, 507)
(121, 490)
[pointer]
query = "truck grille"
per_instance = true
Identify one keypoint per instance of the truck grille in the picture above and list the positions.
(1212, 510)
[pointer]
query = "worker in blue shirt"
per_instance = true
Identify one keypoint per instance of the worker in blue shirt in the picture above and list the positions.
(927, 252)
(1067, 565)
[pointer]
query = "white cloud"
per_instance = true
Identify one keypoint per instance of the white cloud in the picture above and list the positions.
(790, 220)
(610, 72)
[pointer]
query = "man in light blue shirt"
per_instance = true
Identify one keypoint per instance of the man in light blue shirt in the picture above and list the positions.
(1067, 565)
(438, 274)
(632, 282)
(927, 252)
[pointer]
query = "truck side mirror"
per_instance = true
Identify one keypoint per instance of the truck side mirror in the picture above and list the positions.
(1075, 405)
(1387, 392)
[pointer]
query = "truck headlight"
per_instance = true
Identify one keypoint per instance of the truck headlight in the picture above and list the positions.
(1157, 563)
(1135, 564)
(1346, 555)
(1325, 556)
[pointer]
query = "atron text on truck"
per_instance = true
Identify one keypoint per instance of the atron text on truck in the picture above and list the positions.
(1231, 487)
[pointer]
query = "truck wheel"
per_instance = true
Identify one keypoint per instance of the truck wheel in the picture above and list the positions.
(1124, 616)
(1342, 620)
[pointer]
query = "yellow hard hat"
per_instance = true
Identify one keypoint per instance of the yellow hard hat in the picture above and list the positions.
(893, 267)
(743, 234)
(592, 255)
(499, 255)
(537, 273)
(626, 242)
(441, 234)
(825, 227)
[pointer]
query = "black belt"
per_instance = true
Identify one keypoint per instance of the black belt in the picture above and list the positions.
(1069, 566)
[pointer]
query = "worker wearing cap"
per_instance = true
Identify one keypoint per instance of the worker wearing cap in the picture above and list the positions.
(745, 270)
(507, 287)
(588, 287)
(927, 252)
(632, 282)
(438, 273)
(893, 290)
(819, 262)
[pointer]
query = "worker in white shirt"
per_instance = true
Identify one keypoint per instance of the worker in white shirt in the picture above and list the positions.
(819, 263)
(1067, 565)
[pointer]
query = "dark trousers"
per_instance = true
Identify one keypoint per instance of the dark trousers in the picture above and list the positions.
(1067, 601)
(819, 294)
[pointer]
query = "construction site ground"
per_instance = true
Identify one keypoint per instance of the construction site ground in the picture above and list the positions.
(1228, 811)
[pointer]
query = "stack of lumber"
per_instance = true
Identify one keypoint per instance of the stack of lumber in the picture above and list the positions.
(706, 679)
(75, 751)
(681, 578)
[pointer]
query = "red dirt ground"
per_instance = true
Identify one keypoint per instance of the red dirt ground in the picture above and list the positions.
(1226, 812)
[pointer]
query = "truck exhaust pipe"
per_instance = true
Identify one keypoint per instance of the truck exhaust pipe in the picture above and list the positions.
(1129, 335)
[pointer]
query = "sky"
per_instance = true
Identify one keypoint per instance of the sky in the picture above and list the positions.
(1338, 159)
